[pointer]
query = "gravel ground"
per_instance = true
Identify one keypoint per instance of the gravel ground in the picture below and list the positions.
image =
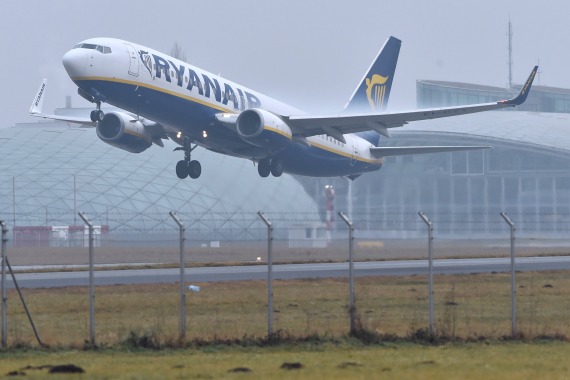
(248, 252)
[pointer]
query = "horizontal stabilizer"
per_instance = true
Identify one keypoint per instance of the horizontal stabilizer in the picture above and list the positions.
(389, 151)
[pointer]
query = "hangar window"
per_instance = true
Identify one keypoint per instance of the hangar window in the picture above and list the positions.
(459, 162)
(500, 161)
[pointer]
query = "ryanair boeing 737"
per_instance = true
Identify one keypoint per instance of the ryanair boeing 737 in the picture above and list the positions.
(165, 98)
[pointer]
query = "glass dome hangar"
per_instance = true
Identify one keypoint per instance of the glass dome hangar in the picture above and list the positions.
(49, 171)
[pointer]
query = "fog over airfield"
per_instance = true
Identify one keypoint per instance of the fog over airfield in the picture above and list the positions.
(310, 54)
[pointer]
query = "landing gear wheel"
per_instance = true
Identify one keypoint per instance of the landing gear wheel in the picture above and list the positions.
(194, 169)
(187, 166)
(264, 167)
(276, 168)
(97, 115)
(182, 169)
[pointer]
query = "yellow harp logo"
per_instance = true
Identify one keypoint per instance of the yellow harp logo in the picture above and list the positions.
(375, 91)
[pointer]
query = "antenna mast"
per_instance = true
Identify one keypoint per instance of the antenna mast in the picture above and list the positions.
(510, 35)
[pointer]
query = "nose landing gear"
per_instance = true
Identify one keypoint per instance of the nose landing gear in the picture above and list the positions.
(188, 167)
(97, 114)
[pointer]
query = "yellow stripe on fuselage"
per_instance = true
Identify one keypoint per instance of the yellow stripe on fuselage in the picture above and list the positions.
(159, 89)
(278, 131)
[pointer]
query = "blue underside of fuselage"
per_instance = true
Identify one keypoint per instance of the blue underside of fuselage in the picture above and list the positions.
(192, 118)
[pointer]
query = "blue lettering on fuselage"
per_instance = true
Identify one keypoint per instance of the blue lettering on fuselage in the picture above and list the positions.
(230, 95)
(179, 73)
(206, 85)
(194, 81)
(162, 66)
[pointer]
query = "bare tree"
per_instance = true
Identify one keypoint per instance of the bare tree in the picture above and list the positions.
(177, 52)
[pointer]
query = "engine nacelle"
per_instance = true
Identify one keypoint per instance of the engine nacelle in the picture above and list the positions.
(264, 129)
(123, 131)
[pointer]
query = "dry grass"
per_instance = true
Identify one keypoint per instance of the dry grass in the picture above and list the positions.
(466, 306)
(400, 361)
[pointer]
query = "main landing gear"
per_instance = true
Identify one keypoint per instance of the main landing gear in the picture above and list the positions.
(188, 167)
(268, 166)
(97, 114)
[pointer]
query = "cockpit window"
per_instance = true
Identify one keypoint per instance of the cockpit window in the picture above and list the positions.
(102, 49)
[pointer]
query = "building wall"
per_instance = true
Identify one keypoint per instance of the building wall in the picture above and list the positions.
(463, 192)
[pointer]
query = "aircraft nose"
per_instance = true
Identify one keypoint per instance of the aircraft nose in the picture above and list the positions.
(74, 62)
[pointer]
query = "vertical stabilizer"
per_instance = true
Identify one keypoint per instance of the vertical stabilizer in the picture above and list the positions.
(372, 93)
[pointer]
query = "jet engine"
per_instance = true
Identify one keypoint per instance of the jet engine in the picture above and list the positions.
(125, 132)
(264, 129)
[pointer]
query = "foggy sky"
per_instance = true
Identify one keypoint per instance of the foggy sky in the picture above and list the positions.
(311, 54)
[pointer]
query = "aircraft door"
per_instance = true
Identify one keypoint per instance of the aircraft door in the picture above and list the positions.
(133, 61)
(354, 152)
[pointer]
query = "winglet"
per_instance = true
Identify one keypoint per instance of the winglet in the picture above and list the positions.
(36, 107)
(521, 97)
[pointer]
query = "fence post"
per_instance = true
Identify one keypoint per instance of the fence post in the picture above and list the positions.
(351, 307)
(430, 267)
(4, 298)
(513, 275)
(269, 274)
(91, 288)
(182, 276)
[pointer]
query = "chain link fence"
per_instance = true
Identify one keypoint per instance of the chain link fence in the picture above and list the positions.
(466, 305)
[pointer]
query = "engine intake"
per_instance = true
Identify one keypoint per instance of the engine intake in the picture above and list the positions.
(264, 129)
(122, 131)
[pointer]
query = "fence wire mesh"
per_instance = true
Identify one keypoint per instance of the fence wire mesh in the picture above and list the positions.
(466, 305)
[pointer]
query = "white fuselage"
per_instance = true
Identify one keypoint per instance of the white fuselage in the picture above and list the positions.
(185, 101)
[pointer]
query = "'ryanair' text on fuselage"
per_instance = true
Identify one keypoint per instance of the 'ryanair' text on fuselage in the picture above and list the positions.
(208, 87)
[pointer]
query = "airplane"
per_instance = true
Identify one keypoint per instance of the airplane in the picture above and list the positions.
(161, 97)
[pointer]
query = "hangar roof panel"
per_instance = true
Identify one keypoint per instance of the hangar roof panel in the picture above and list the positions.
(549, 130)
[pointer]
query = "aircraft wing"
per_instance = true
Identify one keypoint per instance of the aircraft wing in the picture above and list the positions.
(389, 151)
(156, 130)
(36, 109)
(337, 125)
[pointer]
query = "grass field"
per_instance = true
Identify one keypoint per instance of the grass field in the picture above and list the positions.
(348, 360)
(466, 306)
(137, 330)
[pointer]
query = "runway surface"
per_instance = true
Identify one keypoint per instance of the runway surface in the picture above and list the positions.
(285, 271)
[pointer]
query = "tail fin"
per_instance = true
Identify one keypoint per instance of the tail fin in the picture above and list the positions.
(372, 93)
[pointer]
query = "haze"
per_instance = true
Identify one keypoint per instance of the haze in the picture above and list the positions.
(310, 54)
